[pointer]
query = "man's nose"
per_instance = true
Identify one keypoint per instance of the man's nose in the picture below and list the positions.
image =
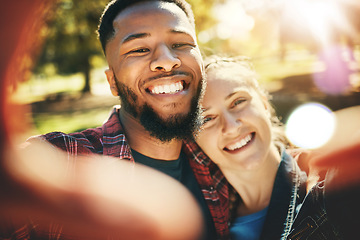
(230, 124)
(164, 60)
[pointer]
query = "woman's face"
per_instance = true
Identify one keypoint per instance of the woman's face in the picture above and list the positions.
(237, 128)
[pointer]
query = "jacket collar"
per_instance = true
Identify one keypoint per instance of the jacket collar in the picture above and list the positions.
(289, 190)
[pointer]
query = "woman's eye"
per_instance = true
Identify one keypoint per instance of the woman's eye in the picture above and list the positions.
(239, 101)
(208, 119)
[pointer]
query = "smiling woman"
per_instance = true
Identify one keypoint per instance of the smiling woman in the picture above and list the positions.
(243, 137)
(243, 117)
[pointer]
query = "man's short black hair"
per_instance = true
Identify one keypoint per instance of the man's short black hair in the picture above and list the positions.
(106, 29)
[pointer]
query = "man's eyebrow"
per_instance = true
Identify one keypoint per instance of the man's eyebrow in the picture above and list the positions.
(135, 36)
(178, 31)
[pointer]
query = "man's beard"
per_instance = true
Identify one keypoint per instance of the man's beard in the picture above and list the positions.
(177, 126)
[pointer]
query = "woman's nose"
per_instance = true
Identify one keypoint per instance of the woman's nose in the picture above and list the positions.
(230, 124)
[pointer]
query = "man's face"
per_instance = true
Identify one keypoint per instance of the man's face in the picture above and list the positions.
(156, 68)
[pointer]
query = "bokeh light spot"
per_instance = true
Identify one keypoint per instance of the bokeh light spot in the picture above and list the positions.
(335, 79)
(310, 125)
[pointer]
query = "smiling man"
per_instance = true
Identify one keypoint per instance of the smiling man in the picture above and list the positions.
(156, 68)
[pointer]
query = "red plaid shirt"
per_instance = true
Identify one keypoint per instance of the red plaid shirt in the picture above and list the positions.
(110, 140)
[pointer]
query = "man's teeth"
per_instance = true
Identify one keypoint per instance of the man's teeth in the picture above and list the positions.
(168, 89)
(240, 143)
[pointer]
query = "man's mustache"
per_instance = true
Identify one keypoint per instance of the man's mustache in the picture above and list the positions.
(170, 74)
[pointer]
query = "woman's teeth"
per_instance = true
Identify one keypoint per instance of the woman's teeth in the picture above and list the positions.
(167, 89)
(240, 143)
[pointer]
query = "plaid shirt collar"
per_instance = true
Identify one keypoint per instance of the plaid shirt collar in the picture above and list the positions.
(196, 154)
(211, 180)
(113, 133)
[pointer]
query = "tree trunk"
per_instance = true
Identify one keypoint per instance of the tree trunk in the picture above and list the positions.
(86, 72)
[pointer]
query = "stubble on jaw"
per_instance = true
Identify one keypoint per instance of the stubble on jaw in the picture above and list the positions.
(177, 126)
(128, 99)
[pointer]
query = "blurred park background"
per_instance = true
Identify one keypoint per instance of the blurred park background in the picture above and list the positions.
(303, 50)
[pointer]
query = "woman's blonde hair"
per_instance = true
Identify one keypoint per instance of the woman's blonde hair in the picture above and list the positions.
(216, 64)
(246, 69)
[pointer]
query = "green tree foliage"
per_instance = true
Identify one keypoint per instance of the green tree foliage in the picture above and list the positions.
(203, 11)
(70, 37)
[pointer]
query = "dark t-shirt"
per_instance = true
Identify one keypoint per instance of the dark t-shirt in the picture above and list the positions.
(180, 170)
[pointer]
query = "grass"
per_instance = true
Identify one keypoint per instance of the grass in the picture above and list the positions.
(38, 87)
(70, 122)
(68, 119)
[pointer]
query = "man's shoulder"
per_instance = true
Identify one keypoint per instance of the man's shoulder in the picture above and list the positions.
(86, 141)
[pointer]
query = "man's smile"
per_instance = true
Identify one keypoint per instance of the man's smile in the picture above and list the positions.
(166, 88)
(168, 85)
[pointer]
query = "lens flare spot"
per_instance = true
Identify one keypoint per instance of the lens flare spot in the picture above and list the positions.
(310, 125)
(335, 79)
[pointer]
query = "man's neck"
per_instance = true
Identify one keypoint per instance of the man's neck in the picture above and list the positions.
(141, 141)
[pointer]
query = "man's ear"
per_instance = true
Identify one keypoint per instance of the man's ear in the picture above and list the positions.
(112, 82)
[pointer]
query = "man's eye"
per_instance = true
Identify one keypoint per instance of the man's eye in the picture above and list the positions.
(179, 45)
(140, 50)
